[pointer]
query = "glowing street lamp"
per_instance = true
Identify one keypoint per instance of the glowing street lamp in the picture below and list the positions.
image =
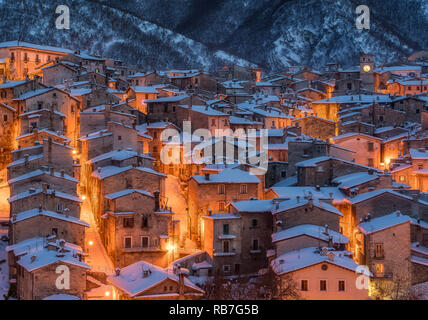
(91, 243)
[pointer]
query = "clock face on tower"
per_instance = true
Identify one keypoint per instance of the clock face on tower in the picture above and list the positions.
(366, 68)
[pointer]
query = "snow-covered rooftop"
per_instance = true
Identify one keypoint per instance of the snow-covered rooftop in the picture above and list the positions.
(310, 230)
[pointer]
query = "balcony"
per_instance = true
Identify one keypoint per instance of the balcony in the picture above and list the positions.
(143, 249)
(226, 236)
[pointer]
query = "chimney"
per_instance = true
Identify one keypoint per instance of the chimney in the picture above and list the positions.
(26, 156)
(370, 172)
(210, 212)
(52, 171)
(33, 258)
(318, 188)
(180, 283)
(32, 190)
(207, 176)
(298, 199)
(117, 272)
(330, 242)
(326, 229)
(62, 173)
(40, 208)
(331, 256)
(157, 204)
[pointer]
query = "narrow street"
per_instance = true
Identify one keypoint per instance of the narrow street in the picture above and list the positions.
(178, 203)
(97, 256)
(4, 195)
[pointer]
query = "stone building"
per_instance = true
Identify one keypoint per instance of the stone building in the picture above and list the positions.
(48, 223)
(39, 271)
(135, 227)
(153, 283)
(214, 191)
(383, 244)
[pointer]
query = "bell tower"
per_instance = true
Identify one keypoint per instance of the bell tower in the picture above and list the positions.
(367, 72)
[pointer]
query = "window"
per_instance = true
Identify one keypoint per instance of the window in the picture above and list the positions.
(379, 270)
(349, 86)
(304, 285)
(379, 250)
(145, 242)
(255, 245)
(55, 231)
(59, 207)
(221, 206)
(225, 229)
(323, 285)
(119, 138)
(221, 188)
(5, 117)
(226, 246)
(226, 268)
(213, 122)
(370, 162)
(243, 189)
(237, 268)
(402, 178)
(165, 107)
(370, 146)
(145, 222)
(254, 223)
(128, 222)
(341, 285)
(127, 242)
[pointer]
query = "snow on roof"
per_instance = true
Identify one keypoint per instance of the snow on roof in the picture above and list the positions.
(298, 202)
(36, 212)
(118, 155)
(354, 179)
(96, 134)
(314, 162)
(52, 133)
(417, 247)
(323, 193)
(254, 205)
(132, 281)
(44, 257)
(7, 107)
(29, 193)
(126, 192)
(39, 172)
(22, 160)
(61, 296)
(399, 68)
(381, 223)
(232, 84)
(80, 92)
(169, 99)
(109, 171)
(368, 195)
(228, 176)
(222, 216)
(205, 110)
(18, 43)
(31, 94)
(142, 89)
(11, 83)
(299, 259)
(37, 243)
(363, 98)
(311, 230)
(287, 182)
(354, 134)
(418, 154)
(239, 120)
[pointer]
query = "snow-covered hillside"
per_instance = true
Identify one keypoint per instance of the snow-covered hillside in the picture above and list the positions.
(206, 34)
